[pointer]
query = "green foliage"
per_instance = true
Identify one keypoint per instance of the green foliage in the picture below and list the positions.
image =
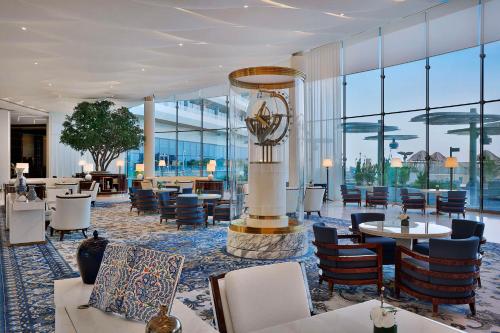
(103, 132)
(403, 175)
(490, 169)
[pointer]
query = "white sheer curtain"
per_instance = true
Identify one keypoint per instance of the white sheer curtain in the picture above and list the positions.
(323, 93)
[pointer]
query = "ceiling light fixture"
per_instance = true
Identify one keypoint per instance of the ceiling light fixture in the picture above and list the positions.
(24, 28)
(143, 69)
(180, 44)
(278, 4)
(220, 66)
(341, 15)
(245, 6)
(36, 62)
(50, 84)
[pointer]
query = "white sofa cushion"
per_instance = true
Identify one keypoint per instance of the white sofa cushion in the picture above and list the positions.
(264, 296)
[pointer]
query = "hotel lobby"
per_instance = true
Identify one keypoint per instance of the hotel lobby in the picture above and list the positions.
(242, 166)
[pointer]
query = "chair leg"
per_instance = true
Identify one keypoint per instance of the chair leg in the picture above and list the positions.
(61, 235)
(472, 307)
(308, 214)
(330, 288)
(83, 232)
(479, 282)
(178, 226)
(435, 308)
(319, 213)
(320, 280)
(51, 231)
(463, 214)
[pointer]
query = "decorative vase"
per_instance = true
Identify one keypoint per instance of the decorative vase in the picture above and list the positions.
(163, 323)
(140, 176)
(88, 177)
(31, 196)
(20, 183)
(89, 257)
(405, 223)
(210, 177)
(393, 329)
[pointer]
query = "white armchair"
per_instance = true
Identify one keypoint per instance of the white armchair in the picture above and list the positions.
(313, 200)
(72, 213)
(254, 298)
(292, 200)
(94, 189)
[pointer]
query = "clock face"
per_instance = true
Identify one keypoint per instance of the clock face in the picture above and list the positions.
(268, 117)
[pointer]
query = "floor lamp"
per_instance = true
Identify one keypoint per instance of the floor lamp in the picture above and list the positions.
(396, 163)
(451, 163)
(327, 163)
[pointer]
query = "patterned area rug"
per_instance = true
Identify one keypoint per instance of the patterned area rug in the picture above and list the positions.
(205, 254)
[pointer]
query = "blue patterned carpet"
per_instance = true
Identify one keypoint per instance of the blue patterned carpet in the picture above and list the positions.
(28, 272)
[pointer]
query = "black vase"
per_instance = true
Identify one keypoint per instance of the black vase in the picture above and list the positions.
(89, 257)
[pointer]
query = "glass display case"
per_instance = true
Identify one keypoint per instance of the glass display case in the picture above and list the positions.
(267, 187)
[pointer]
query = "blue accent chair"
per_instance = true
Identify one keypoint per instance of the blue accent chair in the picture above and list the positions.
(454, 202)
(187, 190)
(166, 204)
(388, 244)
(346, 264)
(460, 229)
(411, 200)
(190, 211)
(146, 201)
(447, 276)
(379, 196)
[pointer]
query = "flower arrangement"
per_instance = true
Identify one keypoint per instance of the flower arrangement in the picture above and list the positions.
(405, 219)
(384, 318)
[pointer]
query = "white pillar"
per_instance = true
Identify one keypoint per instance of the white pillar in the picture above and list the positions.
(149, 136)
(297, 62)
(4, 147)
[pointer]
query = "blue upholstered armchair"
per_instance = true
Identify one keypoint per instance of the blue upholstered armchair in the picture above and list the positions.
(350, 195)
(454, 202)
(131, 194)
(447, 276)
(350, 264)
(379, 196)
(412, 200)
(388, 244)
(146, 201)
(190, 211)
(166, 203)
(222, 211)
(460, 229)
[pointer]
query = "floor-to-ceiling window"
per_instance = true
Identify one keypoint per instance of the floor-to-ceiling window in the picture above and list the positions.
(427, 107)
(188, 134)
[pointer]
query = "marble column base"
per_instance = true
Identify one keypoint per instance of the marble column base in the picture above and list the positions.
(267, 246)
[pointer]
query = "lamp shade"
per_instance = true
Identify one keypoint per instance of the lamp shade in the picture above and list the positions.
(213, 162)
(88, 167)
(24, 166)
(82, 162)
(120, 163)
(139, 167)
(451, 162)
(396, 162)
(162, 163)
(327, 163)
(210, 167)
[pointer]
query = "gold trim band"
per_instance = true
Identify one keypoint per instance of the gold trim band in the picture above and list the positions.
(266, 217)
(265, 70)
(293, 227)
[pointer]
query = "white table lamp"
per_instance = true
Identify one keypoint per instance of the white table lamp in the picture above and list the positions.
(24, 166)
(120, 164)
(211, 169)
(139, 169)
(396, 163)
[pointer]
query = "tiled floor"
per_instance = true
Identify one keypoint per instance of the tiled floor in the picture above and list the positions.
(492, 221)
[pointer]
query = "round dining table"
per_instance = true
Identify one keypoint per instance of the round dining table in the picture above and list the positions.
(404, 235)
(202, 196)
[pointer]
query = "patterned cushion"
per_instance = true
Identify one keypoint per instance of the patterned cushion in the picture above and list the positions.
(109, 288)
(135, 281)
(153, 281)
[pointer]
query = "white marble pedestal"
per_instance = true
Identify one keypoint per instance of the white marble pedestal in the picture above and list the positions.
(266, 243)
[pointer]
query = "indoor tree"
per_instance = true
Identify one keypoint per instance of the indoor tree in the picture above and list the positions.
(102, 131)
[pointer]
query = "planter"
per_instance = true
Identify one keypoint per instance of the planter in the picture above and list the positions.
(89, 256)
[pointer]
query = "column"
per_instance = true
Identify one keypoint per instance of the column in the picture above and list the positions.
(294, 140)
(149, 136)
(4, 147)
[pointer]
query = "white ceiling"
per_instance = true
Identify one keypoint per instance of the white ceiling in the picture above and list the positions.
(71, 50)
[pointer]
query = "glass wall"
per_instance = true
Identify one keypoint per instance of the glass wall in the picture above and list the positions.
(423, 112)
(189, 133)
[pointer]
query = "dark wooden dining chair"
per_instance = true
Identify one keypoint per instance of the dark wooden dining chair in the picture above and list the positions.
(448, 275)
(190, 211)
(453, 203)
(346, 264)
(412, 200)
(379, 196)
(146, 201)
(350, 195)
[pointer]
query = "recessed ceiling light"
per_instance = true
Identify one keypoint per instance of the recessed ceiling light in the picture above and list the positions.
(24, 28)
(245, 6)
(220, 66)
(180, 44)
(111, 87)
(36, 62)
(50, 84)
(143, 69)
